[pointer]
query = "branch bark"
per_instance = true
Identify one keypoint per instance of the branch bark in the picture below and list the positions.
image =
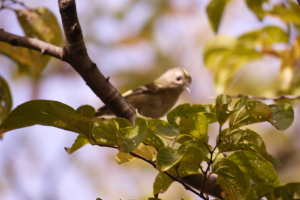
(74, 52)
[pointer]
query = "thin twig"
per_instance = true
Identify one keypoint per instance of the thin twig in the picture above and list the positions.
(281, 97)
(207, 172)
(154, 165)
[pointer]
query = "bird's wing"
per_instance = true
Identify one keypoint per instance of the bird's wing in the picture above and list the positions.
(150, 88)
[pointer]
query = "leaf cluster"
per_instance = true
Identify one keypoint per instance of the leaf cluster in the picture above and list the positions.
(179, 146)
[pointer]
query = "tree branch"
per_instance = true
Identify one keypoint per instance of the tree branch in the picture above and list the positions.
(75, 53)
(188, 182)
(31, 43)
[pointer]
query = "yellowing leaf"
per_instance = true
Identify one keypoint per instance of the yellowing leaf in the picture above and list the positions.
(37, 23)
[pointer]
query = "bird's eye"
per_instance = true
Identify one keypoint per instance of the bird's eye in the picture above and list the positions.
(178, 78)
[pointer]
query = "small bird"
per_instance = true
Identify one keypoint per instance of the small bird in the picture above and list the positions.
(155, 99)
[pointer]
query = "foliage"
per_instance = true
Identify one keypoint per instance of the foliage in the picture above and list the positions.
(225, 55)
(38, 23)
(179, 146)
(249, 160)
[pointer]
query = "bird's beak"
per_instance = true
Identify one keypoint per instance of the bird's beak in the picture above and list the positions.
(187, 88)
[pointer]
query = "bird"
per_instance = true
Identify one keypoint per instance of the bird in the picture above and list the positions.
(155, 99)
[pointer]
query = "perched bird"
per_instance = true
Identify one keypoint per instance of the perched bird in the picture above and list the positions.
(154, 100)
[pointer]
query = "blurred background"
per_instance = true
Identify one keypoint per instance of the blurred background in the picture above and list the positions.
(134, 42)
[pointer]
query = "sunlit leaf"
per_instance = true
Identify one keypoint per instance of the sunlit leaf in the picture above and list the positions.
(142, 150)
(232, 179)
(222, 108)
(154, 140)
(193, 155)
(257, 7)
(122, 122)
(186, 168)
(185, 110)
(283, 116)
(48, 113)
(241, 102)
(255, 167)
(37, 23)
(253, 112)
(195, 125)
(167, 130)
(214, 12)
(167, 157)
(246, 140)
(104, 133)
(199, 145)
(215, 47)
(5, 100)
(80, 141)
(265, 36)
(130, 137)
(162, 182)
(182, 138)
(290, 14)
(225, 56)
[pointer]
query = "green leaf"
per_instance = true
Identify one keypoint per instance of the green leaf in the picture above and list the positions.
(214, 12)
(154, 140)
(215, 47)
(37, 23)
(246, 140)
(288, 14)
(266, 36)
(222, 108)
(80, 141)
(48, 113)
(167, 130)
(2, 92)
(145, 151)
(5, 100)
(162, 182)
(231, 178)
(289, 190)
(185, 110)
(255, 167)
(241, 102)
(253, 112)
(167, 157)
(256, 7)
(225, 56)
(283, 116)
(193, 155)
(104, 133)
(199, 145)
(86, 111)
(182, 138)
(186, 168)
(122, 122)
(195, 125)
(131, 137)
(259, 191)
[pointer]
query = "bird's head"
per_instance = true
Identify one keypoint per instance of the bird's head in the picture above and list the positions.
(175, 78)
